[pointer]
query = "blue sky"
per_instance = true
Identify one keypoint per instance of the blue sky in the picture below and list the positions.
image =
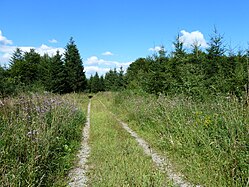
(112, 33)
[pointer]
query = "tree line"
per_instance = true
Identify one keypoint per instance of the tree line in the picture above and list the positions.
(56, 74)
(196, 72)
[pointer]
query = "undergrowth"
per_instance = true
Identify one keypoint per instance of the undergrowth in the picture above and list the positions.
(208, 141)
(40, 134)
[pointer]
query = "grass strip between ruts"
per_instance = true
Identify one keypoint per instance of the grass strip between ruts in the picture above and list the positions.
(116, 159)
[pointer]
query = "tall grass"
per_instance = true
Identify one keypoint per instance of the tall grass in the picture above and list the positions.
(39, 136)
(208, 141)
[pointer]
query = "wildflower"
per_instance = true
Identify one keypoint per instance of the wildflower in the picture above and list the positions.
(32, 133)
(207, 121)
(198, 113)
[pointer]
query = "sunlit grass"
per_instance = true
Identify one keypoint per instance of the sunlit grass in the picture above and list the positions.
(116, 159)
(208, 141)
(39, 136)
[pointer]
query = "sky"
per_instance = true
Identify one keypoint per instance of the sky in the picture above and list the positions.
(111, 33)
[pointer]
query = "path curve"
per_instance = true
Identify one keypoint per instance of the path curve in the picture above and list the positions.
(78, 174)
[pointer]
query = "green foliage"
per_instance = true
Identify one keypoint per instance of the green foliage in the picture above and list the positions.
(136, 73)
(195, 73)
(96, 83)
(114, 80)
(179, 51)
(58, 74)
(74, 70)
(30, 70)
(7, 84)
(45, 72)
(2, 81)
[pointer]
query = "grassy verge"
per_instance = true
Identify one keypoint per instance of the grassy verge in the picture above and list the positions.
(116, 159)
(208, 141)
(39, 137)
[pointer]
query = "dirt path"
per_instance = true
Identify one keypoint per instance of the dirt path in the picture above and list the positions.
(78, 174)
(116, 159)
(162, 162)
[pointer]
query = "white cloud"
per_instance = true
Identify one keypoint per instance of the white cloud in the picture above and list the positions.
(4, 59)
(91, 70)
(44, 49)
(155, 49)
(53, 41)
(93, 64)
(94, 60)
(107, 53)
(195, 37)
(7, 51)
(4, 40)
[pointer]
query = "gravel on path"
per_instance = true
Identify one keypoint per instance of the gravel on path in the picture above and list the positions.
(78, 174)
(162, 162)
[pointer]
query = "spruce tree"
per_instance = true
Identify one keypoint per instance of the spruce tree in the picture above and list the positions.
(25, 68)
(16, 64)
(95, 83)
(179, 51)
(57, 74)
(45, 72)
(30, 70)
(102, 83)
(89, 84)
(75, 76)
(216, 62)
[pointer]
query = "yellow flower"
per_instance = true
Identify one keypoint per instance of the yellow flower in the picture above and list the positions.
(207, 121)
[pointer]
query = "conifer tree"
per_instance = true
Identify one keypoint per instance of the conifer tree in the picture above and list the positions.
(57, 74)
(25, 67)
(179, 51)
(30, 70)
(89, 84)
(215, 63)
(45, 72)
(16, 64)
(102, 83)
(95, 87)
(75, 75)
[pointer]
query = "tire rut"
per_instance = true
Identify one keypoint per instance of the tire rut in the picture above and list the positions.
(162, 162)
(78, 176)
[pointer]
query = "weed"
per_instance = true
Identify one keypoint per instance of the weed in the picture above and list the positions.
(208, 141)
(39, 137)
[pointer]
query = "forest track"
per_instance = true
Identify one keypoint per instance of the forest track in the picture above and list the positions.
(162, 162)
(78, 174)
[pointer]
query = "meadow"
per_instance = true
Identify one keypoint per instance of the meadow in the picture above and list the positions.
(208, 141)
(40, 134)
